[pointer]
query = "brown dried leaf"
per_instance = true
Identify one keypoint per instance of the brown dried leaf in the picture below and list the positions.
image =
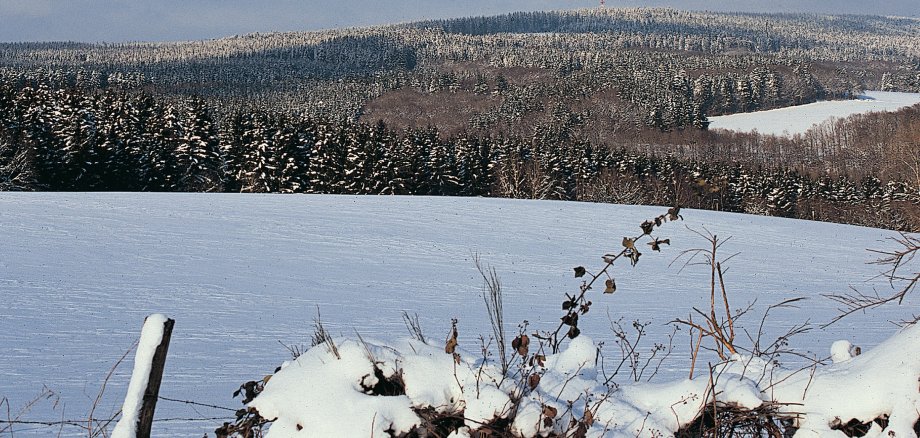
(523, 346)
(647, 227)
(656, 244)
(573, 332)
(634, 256)
(588, 420)
(451, 345)
(580, 271)
(674, 213)
(549, 413)
(611, 286)
(629, 243)
(540, 359)
(533, 381)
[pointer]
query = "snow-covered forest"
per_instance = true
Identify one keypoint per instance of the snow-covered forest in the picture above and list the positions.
(606, 105)
(74, 140)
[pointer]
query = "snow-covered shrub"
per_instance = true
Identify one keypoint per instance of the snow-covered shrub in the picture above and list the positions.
(319, 395)
(553, 386)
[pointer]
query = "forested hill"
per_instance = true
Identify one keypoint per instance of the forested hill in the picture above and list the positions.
(656, 68)
(607, 104)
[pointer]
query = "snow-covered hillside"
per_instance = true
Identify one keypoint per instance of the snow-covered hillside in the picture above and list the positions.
(239, 273)
(798, 119)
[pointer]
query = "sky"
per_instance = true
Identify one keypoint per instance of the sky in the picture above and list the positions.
(165, 20)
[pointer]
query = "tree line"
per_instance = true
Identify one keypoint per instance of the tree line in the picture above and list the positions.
(71, 140)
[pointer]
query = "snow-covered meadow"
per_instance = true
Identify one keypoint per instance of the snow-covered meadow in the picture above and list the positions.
(799, 119)
(241, 273)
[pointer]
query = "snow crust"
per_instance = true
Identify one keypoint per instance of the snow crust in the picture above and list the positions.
(321, 395)
(151, 336)
(800, 118)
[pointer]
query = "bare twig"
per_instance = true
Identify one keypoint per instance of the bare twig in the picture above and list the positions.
(413, 326)
(897, 261)
(321, 336)
(90, 420)
(492, 296)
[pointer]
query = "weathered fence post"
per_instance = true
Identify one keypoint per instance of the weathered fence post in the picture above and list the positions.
(152, 393)
(144, 390)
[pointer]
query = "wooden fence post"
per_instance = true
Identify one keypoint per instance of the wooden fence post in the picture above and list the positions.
(152, 393)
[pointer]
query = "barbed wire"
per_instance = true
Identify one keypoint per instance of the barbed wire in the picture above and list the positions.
(84, 424)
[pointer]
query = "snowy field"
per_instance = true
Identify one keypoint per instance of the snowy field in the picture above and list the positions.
(241, 273)
(798, 119)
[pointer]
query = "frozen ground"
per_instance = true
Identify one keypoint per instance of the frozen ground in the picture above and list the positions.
(798, 119)
(239, 273)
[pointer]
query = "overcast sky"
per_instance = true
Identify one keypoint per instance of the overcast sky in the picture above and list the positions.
(159, 20)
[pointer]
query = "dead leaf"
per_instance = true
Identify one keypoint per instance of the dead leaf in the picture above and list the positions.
(533, 381)
(647, 227)
(549, 413)
(539, 359)
(451, 345)
(521, 344)
(634, 256)
(629, 243)
(656, 244)
(580, 271)
(674, 213)
(611, 286)
(588, 420)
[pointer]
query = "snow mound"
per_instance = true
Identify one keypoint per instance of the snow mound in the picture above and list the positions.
(321, 395)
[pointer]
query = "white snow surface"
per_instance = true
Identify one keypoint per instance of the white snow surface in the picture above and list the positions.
(239, 273)
(151, 337)
(800, 118)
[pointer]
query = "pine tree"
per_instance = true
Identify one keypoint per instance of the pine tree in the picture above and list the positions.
(198, 152)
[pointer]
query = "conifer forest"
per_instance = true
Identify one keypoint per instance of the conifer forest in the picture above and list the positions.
(600, 105)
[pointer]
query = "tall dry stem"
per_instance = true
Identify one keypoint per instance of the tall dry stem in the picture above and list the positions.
(494, 301)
